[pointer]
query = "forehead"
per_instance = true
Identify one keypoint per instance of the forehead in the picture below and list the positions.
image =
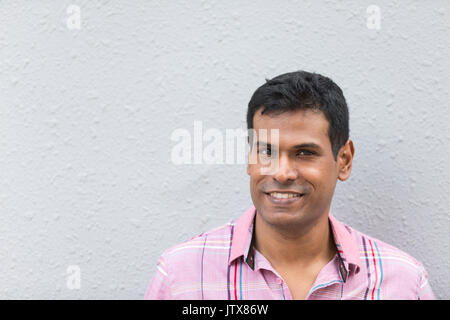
(295, 127)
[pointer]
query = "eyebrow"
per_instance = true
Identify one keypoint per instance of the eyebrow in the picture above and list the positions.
(311, 145)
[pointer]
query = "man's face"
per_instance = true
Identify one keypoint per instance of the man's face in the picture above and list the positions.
(311, 171)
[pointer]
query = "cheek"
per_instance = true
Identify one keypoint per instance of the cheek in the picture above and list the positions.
(254, 191)
(314, 174)
(318, 177)
(254, 183)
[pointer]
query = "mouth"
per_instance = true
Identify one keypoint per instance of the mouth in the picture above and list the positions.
(284, 198)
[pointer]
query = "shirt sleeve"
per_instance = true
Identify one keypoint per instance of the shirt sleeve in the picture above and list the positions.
(425, 292)
(159, 287)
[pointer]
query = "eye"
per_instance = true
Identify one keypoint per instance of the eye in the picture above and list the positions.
(309, 153)
(265, 152)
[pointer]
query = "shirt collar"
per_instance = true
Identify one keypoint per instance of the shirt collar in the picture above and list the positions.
(347, 249)
(242, 237)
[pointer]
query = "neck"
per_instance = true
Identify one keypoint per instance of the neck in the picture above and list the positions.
(303, 246)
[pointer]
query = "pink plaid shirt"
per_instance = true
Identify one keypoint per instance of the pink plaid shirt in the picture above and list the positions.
(221, 264)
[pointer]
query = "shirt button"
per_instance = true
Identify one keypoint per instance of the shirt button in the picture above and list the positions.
(279, 281)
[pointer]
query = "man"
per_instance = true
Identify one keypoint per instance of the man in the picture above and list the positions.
(289, 245)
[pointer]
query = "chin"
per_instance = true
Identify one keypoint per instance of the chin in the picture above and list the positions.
(282, 217)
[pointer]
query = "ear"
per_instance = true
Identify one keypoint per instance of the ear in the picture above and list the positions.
(344, 159)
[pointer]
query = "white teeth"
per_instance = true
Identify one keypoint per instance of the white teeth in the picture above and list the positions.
(279, 195)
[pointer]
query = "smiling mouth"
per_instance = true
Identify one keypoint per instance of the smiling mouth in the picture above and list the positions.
(284, 195)
(284, 198)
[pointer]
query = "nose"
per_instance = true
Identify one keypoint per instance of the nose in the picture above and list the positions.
(286, 171)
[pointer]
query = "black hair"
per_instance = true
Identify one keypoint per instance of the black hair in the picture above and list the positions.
(304, 90)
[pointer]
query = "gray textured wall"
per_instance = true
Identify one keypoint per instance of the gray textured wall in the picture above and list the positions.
(86, 117)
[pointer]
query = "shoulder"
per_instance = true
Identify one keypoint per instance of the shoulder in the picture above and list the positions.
(181, 268)
(392, 267)
(372, 247)
(197, 262)
(216, 241)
